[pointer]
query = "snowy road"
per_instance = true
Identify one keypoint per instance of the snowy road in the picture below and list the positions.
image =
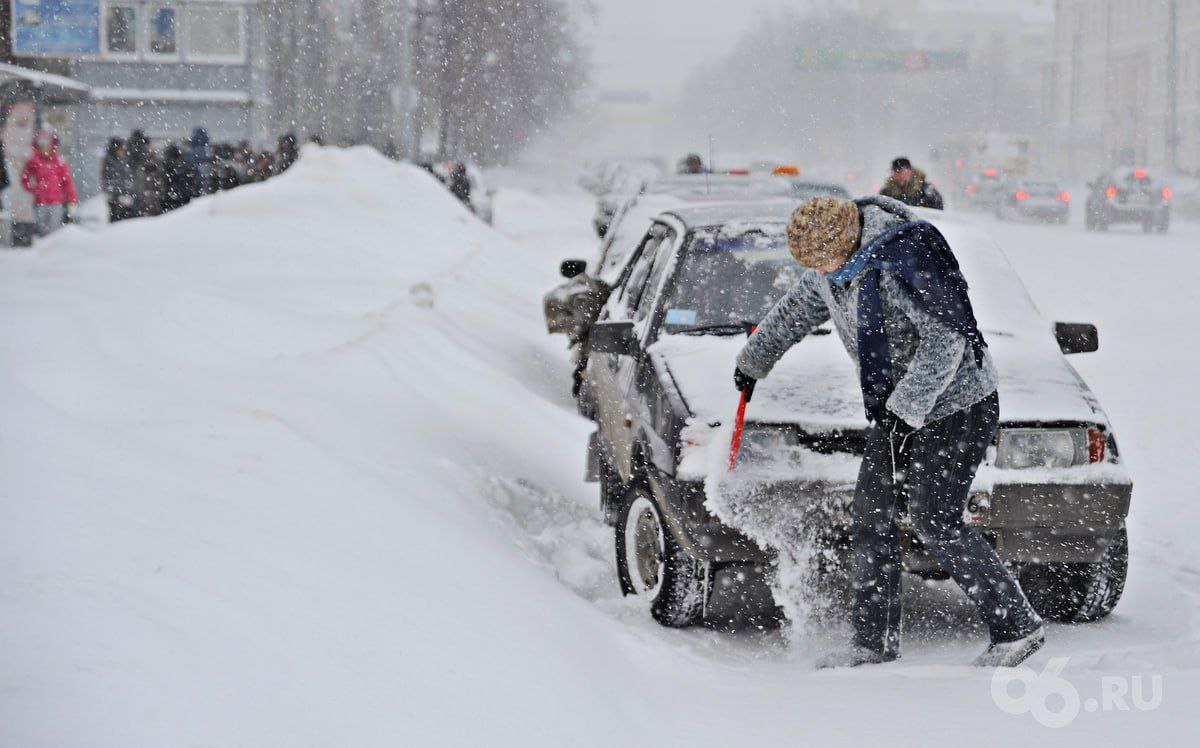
(297, 466)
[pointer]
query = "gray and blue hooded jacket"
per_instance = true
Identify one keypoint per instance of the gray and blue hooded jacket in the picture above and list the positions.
(934, 370)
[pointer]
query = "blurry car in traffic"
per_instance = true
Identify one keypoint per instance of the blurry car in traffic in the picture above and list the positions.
(1052, 496)
(983, 192)
(1039, 199)
(1127, 195)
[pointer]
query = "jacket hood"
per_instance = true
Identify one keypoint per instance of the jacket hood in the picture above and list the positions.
(887, 204)
(43, 134)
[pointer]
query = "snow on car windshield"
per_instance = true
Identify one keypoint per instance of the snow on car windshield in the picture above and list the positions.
(731, 276)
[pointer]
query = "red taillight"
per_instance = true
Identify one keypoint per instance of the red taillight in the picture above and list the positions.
(1139, 173)
(970, 188)
(1021, 195)
(1064, 196)
(738, 172)
(851, 177)
(1166, 193)
(1096, 444)
(958, 163)
(990, 172)
(1110, 192)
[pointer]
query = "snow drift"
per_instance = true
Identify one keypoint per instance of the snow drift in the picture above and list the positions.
(296, 465)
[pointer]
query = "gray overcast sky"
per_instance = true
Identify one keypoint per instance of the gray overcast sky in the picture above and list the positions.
(654, 44)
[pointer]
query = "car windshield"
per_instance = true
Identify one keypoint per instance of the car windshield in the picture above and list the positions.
(730, 276)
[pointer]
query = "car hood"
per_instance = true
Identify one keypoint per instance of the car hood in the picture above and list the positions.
(815, 385)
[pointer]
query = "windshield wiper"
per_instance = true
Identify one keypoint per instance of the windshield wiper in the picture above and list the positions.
(723, 328)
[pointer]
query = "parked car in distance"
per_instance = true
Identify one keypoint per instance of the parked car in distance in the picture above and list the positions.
(1030, 197)
(1052, 495)
(1127, 195)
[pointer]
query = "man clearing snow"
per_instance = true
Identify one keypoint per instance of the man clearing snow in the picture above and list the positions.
(894, 290)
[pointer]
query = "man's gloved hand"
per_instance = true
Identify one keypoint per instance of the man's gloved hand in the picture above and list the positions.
(894, 424)
(744, 383)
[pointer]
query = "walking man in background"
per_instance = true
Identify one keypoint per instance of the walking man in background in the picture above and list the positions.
(911, 187)
(48, 178)
(895, 293)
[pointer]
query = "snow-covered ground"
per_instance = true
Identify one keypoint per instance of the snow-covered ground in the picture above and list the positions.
(296, 465)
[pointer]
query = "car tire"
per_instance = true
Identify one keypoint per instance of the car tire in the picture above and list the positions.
(1078, 593)
(650, 564)
(1148, 225)
(1163, 224)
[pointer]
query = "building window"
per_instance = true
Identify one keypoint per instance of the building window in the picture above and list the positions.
(163, 31)
(216, 33)
(121, 30)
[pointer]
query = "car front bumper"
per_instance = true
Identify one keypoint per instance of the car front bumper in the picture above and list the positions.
(1025, 522)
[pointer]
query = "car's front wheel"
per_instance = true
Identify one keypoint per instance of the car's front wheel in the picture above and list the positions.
(651, 565)
(1077, 593)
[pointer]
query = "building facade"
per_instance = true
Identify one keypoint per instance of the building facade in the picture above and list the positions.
(1125, 83)
(168, 66)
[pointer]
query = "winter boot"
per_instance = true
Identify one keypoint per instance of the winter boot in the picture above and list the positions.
(855, 655)
(1013, 653)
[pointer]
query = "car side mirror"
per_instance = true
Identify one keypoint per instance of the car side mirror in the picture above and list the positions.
(572, 268)
(612, 337)
(1077, 337)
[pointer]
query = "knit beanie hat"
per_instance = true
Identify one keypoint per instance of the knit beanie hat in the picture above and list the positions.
(823, 231)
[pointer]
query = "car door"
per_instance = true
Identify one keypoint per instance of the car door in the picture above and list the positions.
(612, 374)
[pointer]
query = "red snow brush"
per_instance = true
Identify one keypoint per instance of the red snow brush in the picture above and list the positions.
(739, 420)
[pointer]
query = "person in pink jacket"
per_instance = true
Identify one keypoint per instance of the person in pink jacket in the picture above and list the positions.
(48, 178)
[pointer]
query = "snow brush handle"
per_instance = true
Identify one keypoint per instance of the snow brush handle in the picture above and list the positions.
(739, 421)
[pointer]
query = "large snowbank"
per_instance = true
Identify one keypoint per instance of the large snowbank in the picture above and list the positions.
(296, 466)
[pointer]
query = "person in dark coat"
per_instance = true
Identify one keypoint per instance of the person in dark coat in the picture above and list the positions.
(286, 154)
(459, 184)
(199, 155)
(178, 179)
(224, 170)
(911, 187)
(116, 181)
(146, 175)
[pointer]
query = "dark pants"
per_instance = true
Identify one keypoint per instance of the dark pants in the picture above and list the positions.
(931, 472)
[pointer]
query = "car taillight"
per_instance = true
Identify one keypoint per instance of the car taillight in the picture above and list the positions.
(1022, 195)
(1096, 442)
(1139, 173)
(1064, 196)
(1166, 193)
(1110, 192)
(970, 188)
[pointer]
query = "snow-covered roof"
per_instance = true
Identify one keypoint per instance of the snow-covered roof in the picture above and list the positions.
(171, 95)
(58, 88)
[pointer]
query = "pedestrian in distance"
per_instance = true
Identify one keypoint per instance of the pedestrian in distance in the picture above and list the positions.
(48, 178)
(286, 153)
(178, 179)
(199, 155)
(893, 289)
(146, 174)
(911, 187)
(459, 184)
(116, 181)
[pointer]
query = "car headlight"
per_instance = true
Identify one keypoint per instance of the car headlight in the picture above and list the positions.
(762, 444)
(1045, 448)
